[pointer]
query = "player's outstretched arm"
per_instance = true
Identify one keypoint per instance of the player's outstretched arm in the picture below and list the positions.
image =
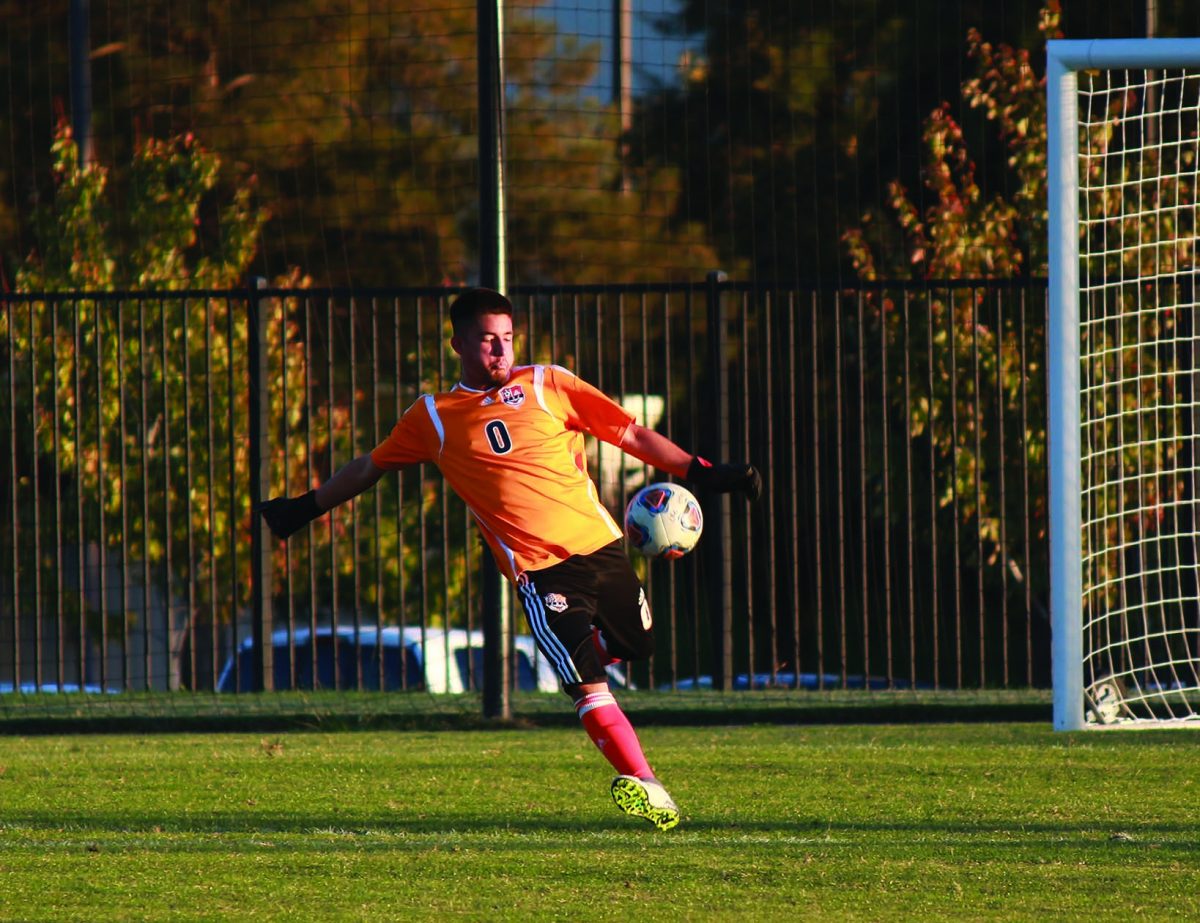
(287, 515)
(657, 450)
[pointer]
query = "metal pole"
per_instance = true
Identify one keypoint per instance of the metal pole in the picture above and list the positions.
(497, 631)
(261, 578)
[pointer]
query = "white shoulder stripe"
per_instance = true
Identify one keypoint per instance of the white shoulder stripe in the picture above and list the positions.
(539, 387)
(431, 409)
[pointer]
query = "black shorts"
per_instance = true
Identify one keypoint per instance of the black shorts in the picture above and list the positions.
(564, 602)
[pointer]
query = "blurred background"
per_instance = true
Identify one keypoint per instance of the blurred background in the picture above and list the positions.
(644, 139)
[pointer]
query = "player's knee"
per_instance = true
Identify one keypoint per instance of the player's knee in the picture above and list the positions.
(576, 691)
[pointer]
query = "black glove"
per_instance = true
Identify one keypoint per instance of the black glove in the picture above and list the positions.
(726, 479)
(286, 515)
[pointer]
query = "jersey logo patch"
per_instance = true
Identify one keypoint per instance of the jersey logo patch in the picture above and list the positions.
(556, 601)
(512, 395)
(487, 400)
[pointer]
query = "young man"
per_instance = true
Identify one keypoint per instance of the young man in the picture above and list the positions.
(509, 440)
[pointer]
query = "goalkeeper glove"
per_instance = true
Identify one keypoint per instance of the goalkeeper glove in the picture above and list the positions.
(725, 479)
(286, 515)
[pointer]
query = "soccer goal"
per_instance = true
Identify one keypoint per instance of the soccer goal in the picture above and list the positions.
(1124, 380)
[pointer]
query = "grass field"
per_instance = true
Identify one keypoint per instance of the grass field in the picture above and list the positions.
(981, 821)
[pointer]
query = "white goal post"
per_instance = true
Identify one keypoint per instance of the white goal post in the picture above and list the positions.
(1123, 131)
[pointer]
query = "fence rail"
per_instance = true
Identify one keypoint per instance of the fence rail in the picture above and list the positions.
(901, 428)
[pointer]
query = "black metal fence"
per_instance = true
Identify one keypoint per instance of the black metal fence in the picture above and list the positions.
(901, 541)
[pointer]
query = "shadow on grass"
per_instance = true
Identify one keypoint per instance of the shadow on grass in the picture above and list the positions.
(391, 832)
(647, 715)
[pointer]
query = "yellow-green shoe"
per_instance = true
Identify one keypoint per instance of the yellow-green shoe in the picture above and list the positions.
(645, 798)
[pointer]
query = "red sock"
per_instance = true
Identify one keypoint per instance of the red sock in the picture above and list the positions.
(612, 733)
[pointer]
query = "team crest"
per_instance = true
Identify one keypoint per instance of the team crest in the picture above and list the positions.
(556, 601)
(512, 395)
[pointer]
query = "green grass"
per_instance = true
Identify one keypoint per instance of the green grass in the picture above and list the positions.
(1000, 821)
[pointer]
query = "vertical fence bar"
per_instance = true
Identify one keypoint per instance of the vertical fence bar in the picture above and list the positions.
(818, 493)
(260, 489)
(935, 615)
(444, 522)
(60, 652)
(288, 589)
(956, 547)
(192, 575)
(309, 397)
(102, 542)
(838, 372)
(669, 426)
(422, 518)
(885, 454)
(1025, 524)
(746, 453)
(864, 513)
(767, 462)
(126, 653)
(980, 417)
(721, 572)
(81, 539)
(693, 574)
(355, 570)
(147, 627)
(167, 522)
(210, 465)
(14, 480)
(37, 493)
(910, 497)
(398, 410)
(335, 615)
(234, 525)
(377, 499)
(1002, 506)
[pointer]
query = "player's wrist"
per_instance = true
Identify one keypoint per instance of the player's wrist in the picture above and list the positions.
(287, 515)
(725, 478)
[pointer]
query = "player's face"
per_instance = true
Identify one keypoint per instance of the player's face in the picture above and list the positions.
(486, 351)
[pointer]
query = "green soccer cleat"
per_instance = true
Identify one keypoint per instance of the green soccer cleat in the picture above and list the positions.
(645, 798)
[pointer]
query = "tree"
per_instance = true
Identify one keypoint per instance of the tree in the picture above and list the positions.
(360, 124)
(980, 346)
(79, 363)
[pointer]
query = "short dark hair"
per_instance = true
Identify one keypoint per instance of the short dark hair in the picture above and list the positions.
(474, 302)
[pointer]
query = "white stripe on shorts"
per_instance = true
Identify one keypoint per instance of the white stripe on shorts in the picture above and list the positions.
(546, 639)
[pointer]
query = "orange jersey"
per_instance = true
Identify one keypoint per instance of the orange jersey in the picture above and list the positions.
(514, 453)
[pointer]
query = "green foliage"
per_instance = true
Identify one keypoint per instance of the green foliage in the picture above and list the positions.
(130, 413)
(361, 126)
(963, 234)
(160, 243)
(977, 345)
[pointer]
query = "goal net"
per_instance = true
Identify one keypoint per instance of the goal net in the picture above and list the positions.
(1124, 158)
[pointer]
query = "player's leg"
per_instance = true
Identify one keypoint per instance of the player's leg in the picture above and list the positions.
(624, 630)
(635, 790)
(560, 604)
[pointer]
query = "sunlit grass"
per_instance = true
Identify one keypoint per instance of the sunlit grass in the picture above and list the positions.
(1004, 821)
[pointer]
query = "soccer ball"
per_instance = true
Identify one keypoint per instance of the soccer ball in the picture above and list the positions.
(663, 521)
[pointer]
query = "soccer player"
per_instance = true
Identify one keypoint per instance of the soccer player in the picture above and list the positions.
(509, 440)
